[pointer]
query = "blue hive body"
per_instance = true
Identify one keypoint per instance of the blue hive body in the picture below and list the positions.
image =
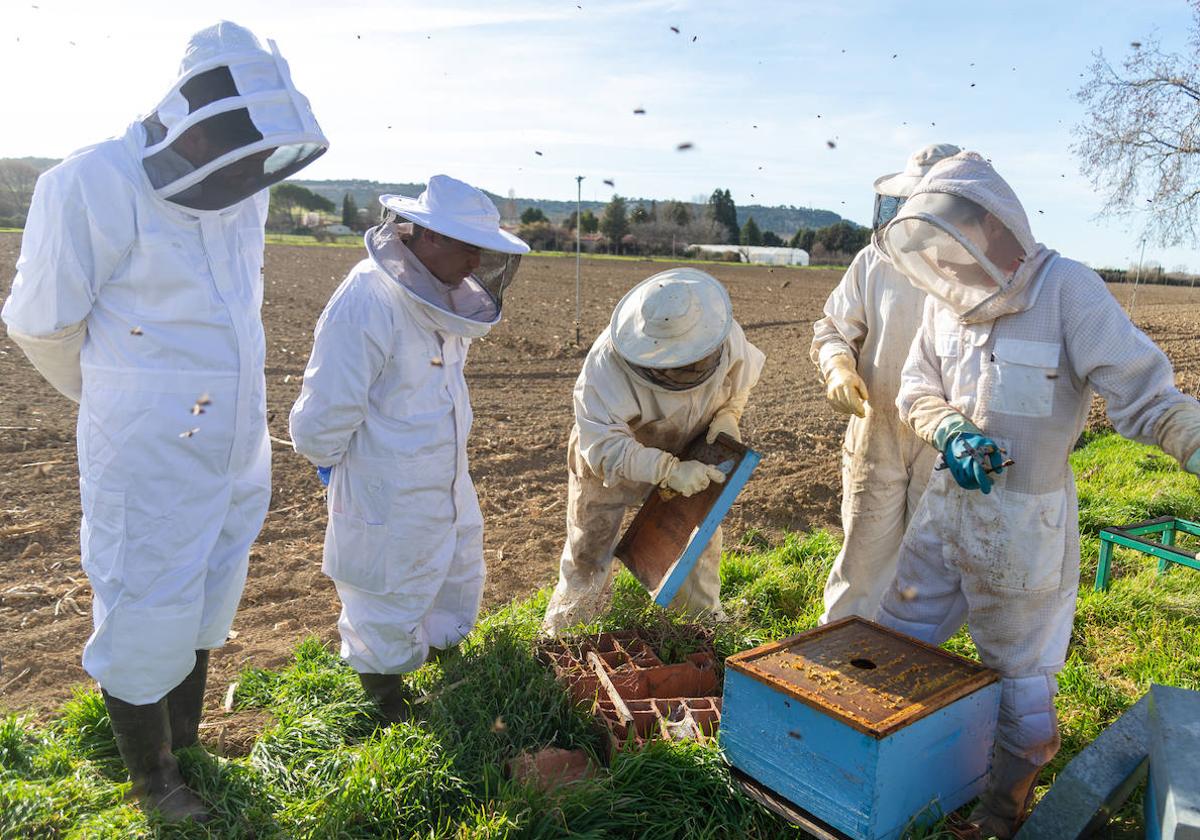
(864, 728)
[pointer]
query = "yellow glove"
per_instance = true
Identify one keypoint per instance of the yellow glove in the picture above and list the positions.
(727, 417)
(844, 388)
(690, 477)
(723, 422)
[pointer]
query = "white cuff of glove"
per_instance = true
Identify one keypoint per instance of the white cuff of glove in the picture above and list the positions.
(724, 422)
(1178, 434)
(1193, 463)
(649, 465)
(735, 406)
(56, 357)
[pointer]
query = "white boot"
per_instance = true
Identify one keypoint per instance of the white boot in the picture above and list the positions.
(580, 600)
(1004, 803)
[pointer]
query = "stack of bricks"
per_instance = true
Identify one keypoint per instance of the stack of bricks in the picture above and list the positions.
(634, 696)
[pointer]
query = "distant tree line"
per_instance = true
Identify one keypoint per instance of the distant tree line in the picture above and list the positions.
(647, 228)
(1151, 273)
(669, 227)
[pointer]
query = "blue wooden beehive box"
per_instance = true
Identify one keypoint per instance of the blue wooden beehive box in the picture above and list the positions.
(861, 727)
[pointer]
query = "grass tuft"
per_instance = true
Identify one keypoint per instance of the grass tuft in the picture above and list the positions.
(327, 767)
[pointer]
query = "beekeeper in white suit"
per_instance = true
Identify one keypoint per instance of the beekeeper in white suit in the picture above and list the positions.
(1013, 341)
(859, 347)
(672, 363)
(385, 405)
(137, 295)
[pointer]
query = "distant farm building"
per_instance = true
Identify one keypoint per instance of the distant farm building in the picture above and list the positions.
(760, 254)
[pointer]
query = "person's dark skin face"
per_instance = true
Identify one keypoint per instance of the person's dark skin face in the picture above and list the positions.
(246, 174)
(241, 177)
(449, 260)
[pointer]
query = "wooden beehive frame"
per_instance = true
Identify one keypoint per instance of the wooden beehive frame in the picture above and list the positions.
(670, 532)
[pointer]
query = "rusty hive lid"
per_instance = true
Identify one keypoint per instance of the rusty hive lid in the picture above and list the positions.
(869, 677)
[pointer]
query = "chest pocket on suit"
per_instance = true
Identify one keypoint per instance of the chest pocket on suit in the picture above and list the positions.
(1025, 375)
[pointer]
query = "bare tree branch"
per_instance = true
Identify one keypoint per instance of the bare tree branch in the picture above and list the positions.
(1139, 143)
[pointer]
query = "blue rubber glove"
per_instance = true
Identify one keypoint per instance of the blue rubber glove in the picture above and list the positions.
(969, 474)
(323, 473)
(1193, 463)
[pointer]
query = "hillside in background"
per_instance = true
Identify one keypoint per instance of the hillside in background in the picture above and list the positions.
(39, 163)
(782, 220)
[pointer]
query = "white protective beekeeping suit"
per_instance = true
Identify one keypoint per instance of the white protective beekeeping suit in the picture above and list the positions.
(628, 429)
(385, 403)
(869, 324)
(138, 294)
(1013, 341)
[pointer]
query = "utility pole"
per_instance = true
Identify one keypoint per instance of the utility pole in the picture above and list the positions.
(578, 228)
(1136, 280)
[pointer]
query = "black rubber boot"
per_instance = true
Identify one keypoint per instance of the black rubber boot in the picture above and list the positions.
(143, 735)
(1009, 793)
(389, 693)
(185, 703)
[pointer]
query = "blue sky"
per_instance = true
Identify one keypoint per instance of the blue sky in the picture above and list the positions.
(473, 89)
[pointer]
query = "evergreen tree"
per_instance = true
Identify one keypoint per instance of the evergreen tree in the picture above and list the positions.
(678, 213)
(843, 237)
(588, 223)
(349, 211)
(724, 212)
(803, 239)
(287, 198)
(639, 215)
(614, 224)
(771, 238)
(751, 235)
(532, 215)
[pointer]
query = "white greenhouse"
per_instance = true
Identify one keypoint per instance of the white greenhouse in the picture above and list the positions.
(759, 254)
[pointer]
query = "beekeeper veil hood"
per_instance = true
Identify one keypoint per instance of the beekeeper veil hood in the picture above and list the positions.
(467, 217)
(964, 238)
(892, 190)
(232, 124)
(672, 327)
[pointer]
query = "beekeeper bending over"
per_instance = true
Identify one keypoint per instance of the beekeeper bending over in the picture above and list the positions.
(138, 295)
(859, 347)
(385, 405)
(672, 364)
(1013, 341)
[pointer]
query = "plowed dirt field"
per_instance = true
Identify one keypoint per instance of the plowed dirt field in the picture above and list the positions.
(520, 376)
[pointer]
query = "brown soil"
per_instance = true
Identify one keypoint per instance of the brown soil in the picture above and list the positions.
(521, 377)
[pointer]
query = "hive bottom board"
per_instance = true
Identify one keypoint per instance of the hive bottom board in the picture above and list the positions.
(790, 811)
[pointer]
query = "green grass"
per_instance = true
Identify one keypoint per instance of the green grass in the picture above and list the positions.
(348, 241)
(356, 242)
(326, 767)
